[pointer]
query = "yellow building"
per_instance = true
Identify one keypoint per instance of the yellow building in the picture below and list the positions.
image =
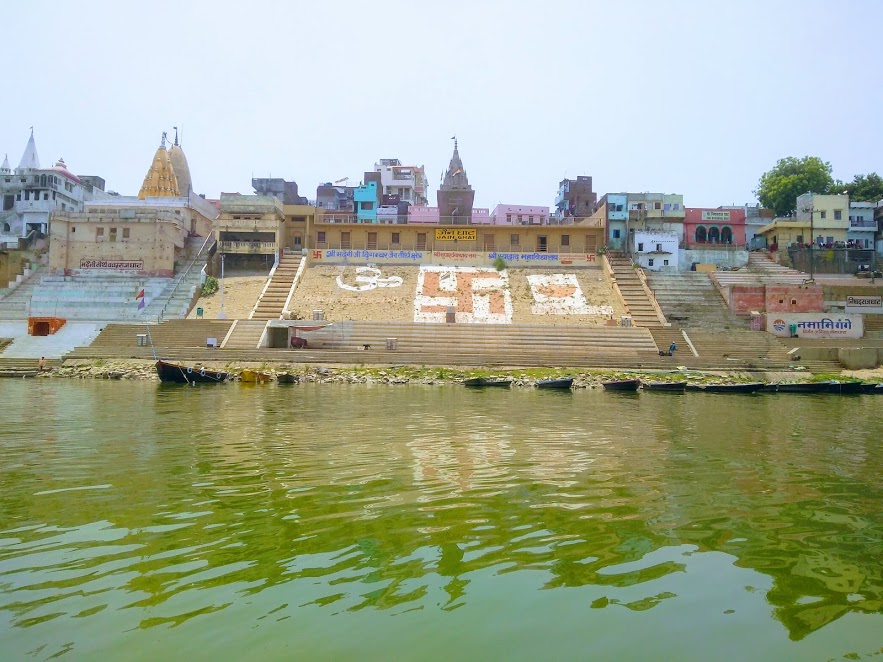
(820, 218)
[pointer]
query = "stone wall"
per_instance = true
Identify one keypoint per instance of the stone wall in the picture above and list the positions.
(722, 258)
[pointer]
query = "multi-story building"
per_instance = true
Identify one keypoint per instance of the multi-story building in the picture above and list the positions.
(250, 225)
(862, 226)
(365, 199)
(819, 219)
(519, 215)
(614, 211)
(30, 193)
(336, 198)
(285, 191)
(709, 228)
(575, 198)
(407, 182)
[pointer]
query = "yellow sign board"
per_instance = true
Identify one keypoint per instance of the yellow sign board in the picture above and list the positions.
(456, 234)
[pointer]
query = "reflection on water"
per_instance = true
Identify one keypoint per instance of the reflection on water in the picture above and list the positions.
(363, 521)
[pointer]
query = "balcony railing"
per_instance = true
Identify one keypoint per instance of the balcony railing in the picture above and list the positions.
(249, 247)
(477, 220)
(863, 224)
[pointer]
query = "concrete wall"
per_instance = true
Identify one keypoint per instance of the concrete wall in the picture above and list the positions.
(816, 325)
(721, 258)
(746, 298)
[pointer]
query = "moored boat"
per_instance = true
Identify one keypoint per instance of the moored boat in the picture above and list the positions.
(802, 387)
(255, 376)
(664, 387)
(286, 378)
(480, 382)
(175, 373)
(844, 388)
(560, 384)
(752, 387)
(622, 385)
(872, 389)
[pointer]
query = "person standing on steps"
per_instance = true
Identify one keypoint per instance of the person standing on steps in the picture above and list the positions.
(672, 348)
(41, 364)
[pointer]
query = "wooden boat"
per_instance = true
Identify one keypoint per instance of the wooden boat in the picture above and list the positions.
(255, 376)
(665, 387)
(622, 385)
(844, 388)
(175, 373)
(802, 387)
(561, 384)
(727, 388)
(872, 389)
(287, 378)
(481, 382)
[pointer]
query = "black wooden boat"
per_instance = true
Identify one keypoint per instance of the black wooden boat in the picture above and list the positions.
(622, 385)
(175, 373)
(844, 388)
(726, 388)
(872, 389)
(561, 384)
(665, 387)
(286, 378)
(802, 387)
(480, 382)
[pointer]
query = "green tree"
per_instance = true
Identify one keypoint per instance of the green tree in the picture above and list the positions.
(865, 188)
(778, 188)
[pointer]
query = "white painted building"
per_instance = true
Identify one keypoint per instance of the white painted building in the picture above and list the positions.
(30, 194)
(862, 225)
(654, 250)
(407, 182)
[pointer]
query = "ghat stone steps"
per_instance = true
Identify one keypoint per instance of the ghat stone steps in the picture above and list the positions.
(631, 287)
(245, 334)
(272, 300)
(691, 300)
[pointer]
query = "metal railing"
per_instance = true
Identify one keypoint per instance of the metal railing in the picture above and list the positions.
(250, 247)
(180, 278)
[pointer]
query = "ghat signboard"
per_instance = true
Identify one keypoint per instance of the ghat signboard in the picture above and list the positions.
(815, 325)
(456, 234)
(864, 304)
(716, 216)
(120, 265)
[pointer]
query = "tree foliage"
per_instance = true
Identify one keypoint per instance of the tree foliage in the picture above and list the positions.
(778, 188)
(865, 188)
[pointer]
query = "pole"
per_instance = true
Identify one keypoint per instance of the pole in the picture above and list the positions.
(812, 245)
(222, 314)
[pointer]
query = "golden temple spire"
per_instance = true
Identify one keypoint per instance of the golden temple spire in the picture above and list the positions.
(160, 180)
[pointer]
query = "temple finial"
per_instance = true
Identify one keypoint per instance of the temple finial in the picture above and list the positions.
(163, 141)
(176, 134)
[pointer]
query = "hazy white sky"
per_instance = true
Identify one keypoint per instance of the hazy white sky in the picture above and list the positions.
(688, 96)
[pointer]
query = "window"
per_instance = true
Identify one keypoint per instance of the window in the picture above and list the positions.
(46, 195)
(513, 239)
(650, 262)
(565, 240)
(830, 240)
(530, 219)
(345, 240)
(421, 241)
(667, 206)
(676, 206)
(616, 234)
(665, 263)
(395, 237)
(125, 233)
(657, 205)
(509, 219)
(519, 218)
(823, 214)
(366, 206)
(372, 241)
(838, 215)
(321, 237)
(113, 234)
(99, 232)
(658, 248)
(74, 229)
(640, 247)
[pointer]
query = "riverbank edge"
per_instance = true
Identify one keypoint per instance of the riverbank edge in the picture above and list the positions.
(137, 369)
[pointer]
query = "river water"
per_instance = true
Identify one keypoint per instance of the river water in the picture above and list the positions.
(140, 521)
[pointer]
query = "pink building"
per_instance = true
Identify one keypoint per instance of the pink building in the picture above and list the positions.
(424, 214)
(709, 227)
(520, 215)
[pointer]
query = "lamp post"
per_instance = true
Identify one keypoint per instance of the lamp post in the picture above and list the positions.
(812, 243)
(222, 314)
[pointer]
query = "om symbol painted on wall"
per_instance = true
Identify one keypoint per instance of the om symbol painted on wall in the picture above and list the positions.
(369, 278)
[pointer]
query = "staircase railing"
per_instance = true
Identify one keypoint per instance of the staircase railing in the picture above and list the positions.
(180, 278)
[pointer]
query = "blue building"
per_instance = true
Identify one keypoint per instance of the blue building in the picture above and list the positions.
(616, 211)
(365, 198)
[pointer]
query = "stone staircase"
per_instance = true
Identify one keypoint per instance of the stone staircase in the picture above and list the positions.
(272, 300)
(760, 271)
(120, 340)
(752, 348)
(634, 293)
(665, 336)
(246, 334)
(176, 300)
(873, 326)
(691, 300)
(16, 304)
(762, 262)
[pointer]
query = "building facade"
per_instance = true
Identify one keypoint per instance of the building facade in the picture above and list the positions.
(250, 225)
(31, 193)
(613, 208)
(656, 250)
(575, 198)
(365, 199)
(278, 187)
(718, 227)
(405, 181)
(862, 226)
(519, 215)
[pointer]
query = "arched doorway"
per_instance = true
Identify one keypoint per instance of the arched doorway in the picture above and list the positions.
(714, 235)
(700, 234)
(727, 235)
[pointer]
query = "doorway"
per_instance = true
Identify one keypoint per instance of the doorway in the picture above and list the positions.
(542, 244)
(42, 328)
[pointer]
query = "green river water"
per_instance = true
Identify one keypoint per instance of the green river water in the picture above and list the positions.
(146, 522)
